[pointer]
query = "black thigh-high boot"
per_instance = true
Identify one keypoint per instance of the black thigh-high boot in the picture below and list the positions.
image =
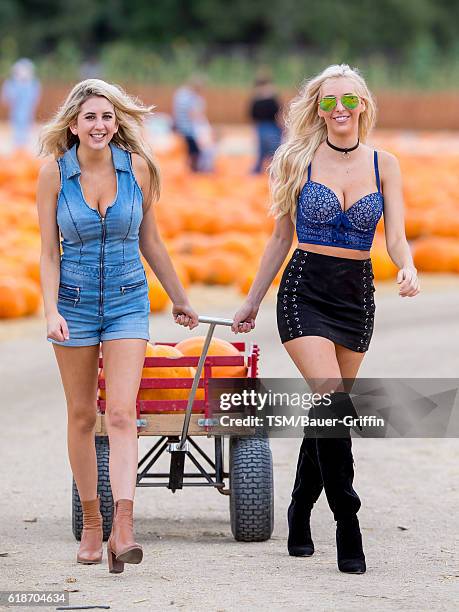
(306, 491)
(336, 464)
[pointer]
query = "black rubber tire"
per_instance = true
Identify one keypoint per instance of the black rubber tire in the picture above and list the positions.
(251, 489)
(103, 489)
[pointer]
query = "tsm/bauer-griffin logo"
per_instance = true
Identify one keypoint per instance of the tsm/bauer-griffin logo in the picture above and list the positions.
(275, 420)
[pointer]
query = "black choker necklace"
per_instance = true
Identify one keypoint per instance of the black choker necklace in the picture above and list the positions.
(343, 150)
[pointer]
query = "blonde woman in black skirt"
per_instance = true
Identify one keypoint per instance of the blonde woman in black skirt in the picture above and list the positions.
(332, 188)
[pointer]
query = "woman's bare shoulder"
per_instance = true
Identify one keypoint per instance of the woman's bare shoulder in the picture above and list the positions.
(49, 175)
(389, 166)
(141, 171)
(387, 159)
(49, 170)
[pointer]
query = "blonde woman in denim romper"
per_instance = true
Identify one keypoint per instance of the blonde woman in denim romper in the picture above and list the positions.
(98, 196)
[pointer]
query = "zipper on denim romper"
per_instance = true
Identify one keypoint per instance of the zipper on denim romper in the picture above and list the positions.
(102, 250)
(133, 286)
(67, 298)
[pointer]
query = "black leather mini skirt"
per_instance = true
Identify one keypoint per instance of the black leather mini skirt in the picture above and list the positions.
(332, 297)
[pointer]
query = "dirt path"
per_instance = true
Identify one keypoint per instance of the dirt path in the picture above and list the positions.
(191, 560)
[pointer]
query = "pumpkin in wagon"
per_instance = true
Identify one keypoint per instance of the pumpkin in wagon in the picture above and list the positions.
(172, 371)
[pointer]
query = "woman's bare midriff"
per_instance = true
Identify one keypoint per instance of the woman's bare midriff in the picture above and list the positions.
(334, 251)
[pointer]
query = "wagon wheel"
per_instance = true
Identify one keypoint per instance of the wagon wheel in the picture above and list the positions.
(251, 489)
(103, 489)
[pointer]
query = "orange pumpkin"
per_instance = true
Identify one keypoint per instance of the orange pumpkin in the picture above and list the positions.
(235, 242)
(415, 223)
(172, 371)
(13, 302)
(445, 223)
(246, 281)
(193, 347)
(11, 267)
(181, 270)
(32, 267)
(192, 244)
(435, 254)
(222, 268)
(156, 294)
(383, 266)
(31, 293)
(196, 267)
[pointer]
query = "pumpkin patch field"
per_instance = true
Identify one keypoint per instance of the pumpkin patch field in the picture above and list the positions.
(215, 226)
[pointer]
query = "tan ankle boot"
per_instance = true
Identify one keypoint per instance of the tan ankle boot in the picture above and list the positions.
(121, 547)
(90, 550)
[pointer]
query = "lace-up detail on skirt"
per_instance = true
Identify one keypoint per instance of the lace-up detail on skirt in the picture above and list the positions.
(323, 295)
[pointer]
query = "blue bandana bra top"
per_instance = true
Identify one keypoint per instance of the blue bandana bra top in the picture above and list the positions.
(321, 220)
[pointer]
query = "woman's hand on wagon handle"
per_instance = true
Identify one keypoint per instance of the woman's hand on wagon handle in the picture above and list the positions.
(244, 319)
(57, 328)
(184, 315)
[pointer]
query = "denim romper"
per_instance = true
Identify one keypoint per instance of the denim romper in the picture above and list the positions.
(103, 290)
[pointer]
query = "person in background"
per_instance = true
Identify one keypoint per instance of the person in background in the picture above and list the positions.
(264, 108)
(21, 93)
(191, 122)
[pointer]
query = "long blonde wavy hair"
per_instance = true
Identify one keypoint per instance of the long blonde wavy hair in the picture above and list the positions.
(56, 137)
(305, 132)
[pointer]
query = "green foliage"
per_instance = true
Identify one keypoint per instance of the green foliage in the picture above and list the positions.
(397, 43)
(422, 68)
(64, 63)
(360, 25)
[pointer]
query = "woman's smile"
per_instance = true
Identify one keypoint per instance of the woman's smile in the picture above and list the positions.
(98, 136)
(341, 118)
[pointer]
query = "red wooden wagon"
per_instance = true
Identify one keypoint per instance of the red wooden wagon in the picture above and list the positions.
(177, 426)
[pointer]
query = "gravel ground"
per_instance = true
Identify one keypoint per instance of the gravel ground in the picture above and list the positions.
(409, 488)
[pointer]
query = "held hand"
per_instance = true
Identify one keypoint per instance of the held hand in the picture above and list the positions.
(184, 315)
(244, 319)
(408, 280)
(57, 327)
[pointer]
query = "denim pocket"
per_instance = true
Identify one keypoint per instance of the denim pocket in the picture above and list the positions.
(69, 293)
(132, 286)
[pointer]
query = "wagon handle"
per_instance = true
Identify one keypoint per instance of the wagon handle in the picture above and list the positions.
(213, 321)
(178, 449)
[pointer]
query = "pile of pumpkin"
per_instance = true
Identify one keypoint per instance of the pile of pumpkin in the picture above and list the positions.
(216, 227)
(20, 293)
(191, 347)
